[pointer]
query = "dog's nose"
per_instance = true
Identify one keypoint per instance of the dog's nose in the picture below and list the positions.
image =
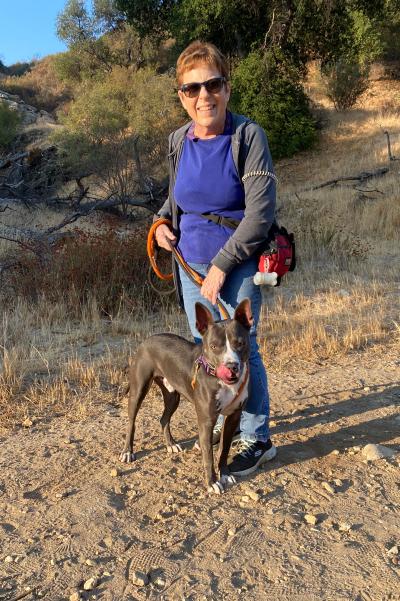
(233, 366)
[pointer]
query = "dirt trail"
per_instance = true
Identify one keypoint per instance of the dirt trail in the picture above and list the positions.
(65, 518)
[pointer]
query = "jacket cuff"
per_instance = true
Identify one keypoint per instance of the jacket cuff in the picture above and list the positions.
(223, 262)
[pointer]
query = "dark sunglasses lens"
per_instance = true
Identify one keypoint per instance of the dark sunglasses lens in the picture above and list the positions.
(191, 89)
(213, 86)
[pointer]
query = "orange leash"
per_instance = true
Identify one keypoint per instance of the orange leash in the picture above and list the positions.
(194, 276)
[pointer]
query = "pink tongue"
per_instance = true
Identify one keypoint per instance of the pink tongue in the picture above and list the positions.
(224, 373)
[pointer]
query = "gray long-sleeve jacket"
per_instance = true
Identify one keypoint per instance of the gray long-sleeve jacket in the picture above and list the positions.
(253, 162)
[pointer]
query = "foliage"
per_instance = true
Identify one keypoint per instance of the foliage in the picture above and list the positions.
(149, 17)
(111, 121)
(346, 81)
(9, 122)
(40, 86)
(265, 89)
(101, 265)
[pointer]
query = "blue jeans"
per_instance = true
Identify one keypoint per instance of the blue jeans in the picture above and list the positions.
(238, 285)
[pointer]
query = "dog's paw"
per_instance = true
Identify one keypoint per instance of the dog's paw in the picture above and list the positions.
(227, 480)
(220, 486)
(127, 457)
(174, 448)
(216, 488)
(197, 446)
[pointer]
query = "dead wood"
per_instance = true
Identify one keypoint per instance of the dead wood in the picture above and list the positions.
(13, 159)
(361, 177)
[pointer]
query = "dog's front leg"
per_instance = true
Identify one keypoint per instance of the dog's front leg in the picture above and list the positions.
(231, 423)
(205, 438)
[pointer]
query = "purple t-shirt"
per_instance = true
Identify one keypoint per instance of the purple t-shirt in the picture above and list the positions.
(206, 182)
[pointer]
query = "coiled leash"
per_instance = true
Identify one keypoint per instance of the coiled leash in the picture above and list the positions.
(193, 275)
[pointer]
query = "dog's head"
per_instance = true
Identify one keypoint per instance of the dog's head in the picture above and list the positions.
(226, 344)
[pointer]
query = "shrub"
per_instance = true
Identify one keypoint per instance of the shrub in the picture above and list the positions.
(105, 267)
(110, 121)
(346, 80)
(40, 86)
(9, 122)
(270, 93)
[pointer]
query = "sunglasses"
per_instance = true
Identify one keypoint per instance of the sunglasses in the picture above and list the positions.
(213, 86)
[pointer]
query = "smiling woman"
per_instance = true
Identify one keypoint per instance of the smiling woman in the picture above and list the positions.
(220, 170)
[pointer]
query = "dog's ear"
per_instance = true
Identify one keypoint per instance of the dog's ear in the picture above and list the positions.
(243, 314)
(203, 318)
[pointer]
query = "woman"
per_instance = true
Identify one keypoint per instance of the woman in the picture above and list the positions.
(220, 165)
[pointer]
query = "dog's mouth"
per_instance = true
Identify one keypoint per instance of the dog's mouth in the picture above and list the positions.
(227, 375)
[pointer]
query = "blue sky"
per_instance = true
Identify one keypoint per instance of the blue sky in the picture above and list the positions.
(28, 29)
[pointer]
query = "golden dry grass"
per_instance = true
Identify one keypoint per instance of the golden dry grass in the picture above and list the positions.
(343, 297)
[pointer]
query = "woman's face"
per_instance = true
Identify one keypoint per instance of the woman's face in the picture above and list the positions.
(207, 110)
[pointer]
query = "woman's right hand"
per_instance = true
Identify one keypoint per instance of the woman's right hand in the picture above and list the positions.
(165, 238)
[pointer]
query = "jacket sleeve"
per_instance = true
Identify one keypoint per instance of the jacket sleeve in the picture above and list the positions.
(259, 182)
(166, 210)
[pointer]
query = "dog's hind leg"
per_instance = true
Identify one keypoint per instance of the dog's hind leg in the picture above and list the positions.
(140, 382)
(171, 402)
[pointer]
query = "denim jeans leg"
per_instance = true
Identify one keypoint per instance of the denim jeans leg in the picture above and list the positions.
(238, 285)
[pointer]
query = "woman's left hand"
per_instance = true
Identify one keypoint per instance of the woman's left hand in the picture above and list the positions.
(212, 284)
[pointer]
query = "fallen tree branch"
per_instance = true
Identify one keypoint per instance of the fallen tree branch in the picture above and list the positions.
(13, 159)
(362, 177)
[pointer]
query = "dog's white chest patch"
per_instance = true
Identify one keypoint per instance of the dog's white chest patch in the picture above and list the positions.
(168, 385)
(227, 398)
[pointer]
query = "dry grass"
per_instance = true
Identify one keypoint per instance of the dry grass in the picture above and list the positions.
(343, 298)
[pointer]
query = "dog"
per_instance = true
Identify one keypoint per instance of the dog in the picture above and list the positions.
(214, 375)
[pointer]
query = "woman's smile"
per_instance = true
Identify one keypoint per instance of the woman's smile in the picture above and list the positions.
(207, 110)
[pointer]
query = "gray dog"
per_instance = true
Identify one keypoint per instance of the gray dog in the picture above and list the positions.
(213, 375)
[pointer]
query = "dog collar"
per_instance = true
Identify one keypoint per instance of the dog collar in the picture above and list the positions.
(209, 368)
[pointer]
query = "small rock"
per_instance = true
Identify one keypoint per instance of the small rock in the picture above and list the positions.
(311, 519)
(27, 423)
(90, 584)
(61, 495)
(231, 531)
(89, 562)
(335, 452)
(371, 452)
(343, 293)
(245, 499)
(140, 578)
(114, 473)
(344, 527)
(338, 482)
(254, 496)
(108, 541)
(328, 487)
(75, 597)
(394, 550)
(366, 389)
(8, 559)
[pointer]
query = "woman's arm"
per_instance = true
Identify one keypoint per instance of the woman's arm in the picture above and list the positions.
(259, 183)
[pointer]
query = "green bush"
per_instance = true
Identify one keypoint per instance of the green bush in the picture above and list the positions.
(269, 92)
(9, 122)
(346, 81)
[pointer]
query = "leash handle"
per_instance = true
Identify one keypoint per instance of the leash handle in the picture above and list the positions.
(193, 275)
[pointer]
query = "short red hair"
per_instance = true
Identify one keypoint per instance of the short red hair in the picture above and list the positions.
(201, 52)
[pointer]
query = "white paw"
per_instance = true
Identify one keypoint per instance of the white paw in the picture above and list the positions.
(196, 446)
(174, 448)
(127, 457)
(216, 488)
(227, 480)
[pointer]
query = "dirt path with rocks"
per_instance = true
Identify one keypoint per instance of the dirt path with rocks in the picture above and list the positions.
(318, 522)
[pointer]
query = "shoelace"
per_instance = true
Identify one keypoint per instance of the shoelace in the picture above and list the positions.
(244, 447)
